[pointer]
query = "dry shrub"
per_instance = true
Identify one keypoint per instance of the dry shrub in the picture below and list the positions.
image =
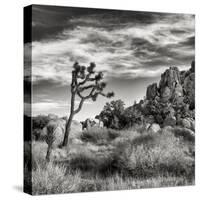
(168, 155)
(55, 179)
(99, 136)
(91, 158)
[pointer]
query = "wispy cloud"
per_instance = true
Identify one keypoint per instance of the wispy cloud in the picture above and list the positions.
(136, 48)
(47, 106)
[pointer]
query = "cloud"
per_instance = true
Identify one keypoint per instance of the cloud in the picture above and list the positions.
(136, 47)
(51, 106)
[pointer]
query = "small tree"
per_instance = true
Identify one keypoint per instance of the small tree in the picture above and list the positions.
(112, 114)
(86, 84)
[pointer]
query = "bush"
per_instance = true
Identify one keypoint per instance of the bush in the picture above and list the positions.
(55, 179)
(168, 155)
(99, 136)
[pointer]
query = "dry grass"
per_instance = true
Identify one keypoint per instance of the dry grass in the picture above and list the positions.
(116, 160)
(53, 179)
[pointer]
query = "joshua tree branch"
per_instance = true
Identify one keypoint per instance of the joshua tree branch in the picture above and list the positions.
(80, 106)
(86, 87)
(87, 78)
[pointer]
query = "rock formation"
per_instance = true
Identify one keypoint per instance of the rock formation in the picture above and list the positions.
(172, 102)
(151, 91)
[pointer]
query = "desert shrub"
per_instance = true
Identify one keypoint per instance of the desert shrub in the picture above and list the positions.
(99, 135)
(140, 128)
(147, 139)
(92, 158)
(106, 158)
(54, 179)
(168, 155)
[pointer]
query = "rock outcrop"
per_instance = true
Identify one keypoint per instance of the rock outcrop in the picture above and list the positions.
(151, 91)
(170, 84)
(172, 102)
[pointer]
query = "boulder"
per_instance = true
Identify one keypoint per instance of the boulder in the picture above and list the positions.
(52, 116)
(187, 123)
(76, 126)
(186, 133)
(151, 91)
(154, 128)
(77, 141)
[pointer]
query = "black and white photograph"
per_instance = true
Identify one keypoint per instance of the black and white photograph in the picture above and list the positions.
(109, 99)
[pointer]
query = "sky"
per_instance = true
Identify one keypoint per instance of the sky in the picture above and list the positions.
(132, 49)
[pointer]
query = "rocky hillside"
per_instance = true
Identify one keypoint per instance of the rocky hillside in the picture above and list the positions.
(172, 101)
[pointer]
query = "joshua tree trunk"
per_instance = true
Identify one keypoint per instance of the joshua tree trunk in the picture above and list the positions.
(69, 122)
(49, 150)
(67, 130)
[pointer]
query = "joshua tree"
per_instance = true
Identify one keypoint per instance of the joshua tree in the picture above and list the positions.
(86, 84)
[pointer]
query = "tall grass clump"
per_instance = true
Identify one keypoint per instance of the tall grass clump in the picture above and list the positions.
(54, 179)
